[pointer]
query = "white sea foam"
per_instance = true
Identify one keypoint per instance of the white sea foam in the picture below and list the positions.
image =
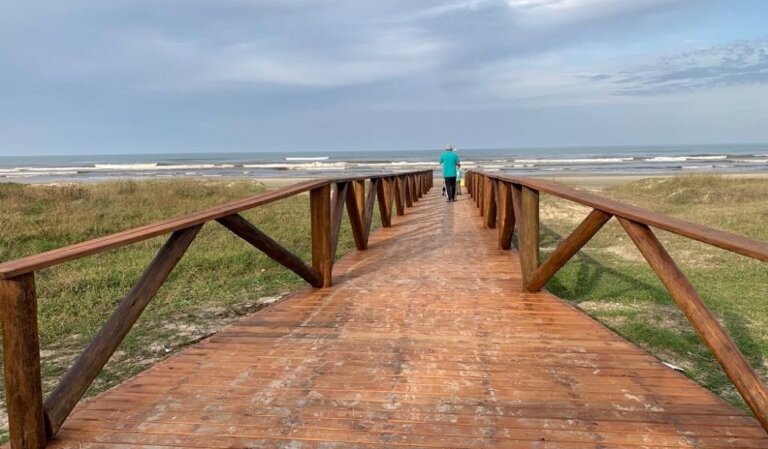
(393, 164)
(32, 174)
(707, 158)
(598, 160)
(668, 159)
(322, 158)
(150, 166)
(306, 166)
(752, 161)
(156, 166)
(39, 170)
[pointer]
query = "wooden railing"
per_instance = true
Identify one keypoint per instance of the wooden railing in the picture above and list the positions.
(508, 203)
(32, 421)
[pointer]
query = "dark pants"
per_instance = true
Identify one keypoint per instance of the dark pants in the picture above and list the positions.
(450, 185)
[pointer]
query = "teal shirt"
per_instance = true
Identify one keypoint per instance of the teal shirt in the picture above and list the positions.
(449, 159)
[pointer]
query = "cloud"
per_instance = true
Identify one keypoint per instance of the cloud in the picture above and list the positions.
(735, 64)
(179, 44)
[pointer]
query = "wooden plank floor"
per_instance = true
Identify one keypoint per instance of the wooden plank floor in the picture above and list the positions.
(425, 341)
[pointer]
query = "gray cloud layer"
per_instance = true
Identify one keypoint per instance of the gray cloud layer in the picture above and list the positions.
(741, 63)
(246, 74)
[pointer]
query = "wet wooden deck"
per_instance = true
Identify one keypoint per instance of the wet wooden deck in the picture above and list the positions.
(425, 341)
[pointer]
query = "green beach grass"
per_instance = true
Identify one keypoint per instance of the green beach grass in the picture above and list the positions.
(222, 278)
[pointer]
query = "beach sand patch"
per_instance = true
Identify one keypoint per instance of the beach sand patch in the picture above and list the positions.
(567, 211)
(625, 252)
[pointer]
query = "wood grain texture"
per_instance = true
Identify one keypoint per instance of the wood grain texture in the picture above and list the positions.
(715, 237)
(567, 248)
(517, 208)
(399, 196)
(359, 194)
(76, 381)
(743, 376)
(338, 198)
(408, 191)
(529, 241)
(320, 218)
(21, 352)
(506, 216)
(385, 358)
(356, 212)
(480, 192)
(384, 198)
(370, 200)
(489, 205)
(261, 241)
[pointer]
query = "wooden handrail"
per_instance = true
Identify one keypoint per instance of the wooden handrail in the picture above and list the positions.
(637, 222)
(715, 237)
(54, 257)
(33, 421)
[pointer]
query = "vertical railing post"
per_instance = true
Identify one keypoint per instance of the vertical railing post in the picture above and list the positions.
(359, 192)
(419, 185)
(21, 352)
(529, 241)
(506, 216)
(469, 184)
(400, 195)
(408, 191)
(320, 217)
(483, 193)
(489, 203)
(384, 193)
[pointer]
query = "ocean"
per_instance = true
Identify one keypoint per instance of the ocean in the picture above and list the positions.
(632, 160)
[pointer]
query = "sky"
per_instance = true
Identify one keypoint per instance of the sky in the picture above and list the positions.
(159, 76)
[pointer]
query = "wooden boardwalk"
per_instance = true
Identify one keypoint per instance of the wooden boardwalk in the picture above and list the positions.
(424, 341)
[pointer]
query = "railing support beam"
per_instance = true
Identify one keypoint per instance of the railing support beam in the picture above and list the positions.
(567, 248)
(261, 241)
(399, 195)
(489, 204)
(77, 380)
(338, 198)
(385, 196)
(743, 376)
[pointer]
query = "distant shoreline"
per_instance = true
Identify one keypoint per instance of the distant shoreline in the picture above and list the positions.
(565, 162)
(588, 181)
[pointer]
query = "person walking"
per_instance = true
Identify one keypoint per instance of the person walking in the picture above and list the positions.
(450, 161)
